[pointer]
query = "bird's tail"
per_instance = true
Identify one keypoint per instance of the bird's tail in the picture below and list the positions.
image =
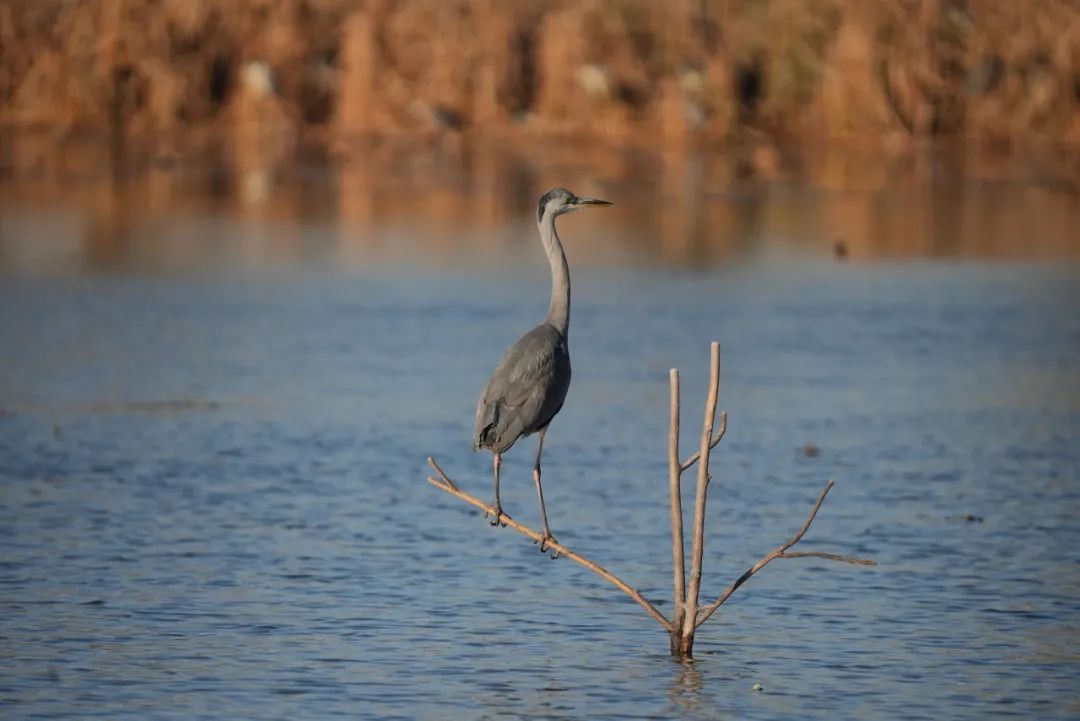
(487, 426)
(485, 438)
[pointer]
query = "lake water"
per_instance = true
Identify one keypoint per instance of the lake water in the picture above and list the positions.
(217, 392)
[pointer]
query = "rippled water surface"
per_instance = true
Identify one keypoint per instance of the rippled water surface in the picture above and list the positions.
(213, 499)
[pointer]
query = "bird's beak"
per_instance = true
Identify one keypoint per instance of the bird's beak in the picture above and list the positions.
(586, 202)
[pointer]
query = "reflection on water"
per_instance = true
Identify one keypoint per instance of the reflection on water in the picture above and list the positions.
(686, 687)
(77, 206)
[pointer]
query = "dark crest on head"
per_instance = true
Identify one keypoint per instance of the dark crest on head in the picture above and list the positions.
(547, 197)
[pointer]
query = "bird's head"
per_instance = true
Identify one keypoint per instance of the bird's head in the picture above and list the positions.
(560, 200)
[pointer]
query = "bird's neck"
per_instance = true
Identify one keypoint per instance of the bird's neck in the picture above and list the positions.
(559, 309)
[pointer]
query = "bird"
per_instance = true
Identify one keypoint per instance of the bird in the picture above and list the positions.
(529, 385)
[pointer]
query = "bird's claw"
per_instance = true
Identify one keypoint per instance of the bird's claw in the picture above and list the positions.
(544, 547)
(498, 514)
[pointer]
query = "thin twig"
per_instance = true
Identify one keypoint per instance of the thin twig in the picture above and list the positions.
(442, 473)
(780, 553)
(712, 444)
(831, 557)
(689, 622)
(675, 492)
(447, 485)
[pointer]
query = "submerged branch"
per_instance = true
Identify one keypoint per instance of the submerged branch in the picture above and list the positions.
(781, 552)
(450, 487)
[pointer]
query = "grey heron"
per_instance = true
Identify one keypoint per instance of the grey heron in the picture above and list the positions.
(530, 383)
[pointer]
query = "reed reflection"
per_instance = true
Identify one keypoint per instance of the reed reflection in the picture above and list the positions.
(261, 202)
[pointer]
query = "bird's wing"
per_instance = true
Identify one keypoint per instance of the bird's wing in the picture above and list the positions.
(522, 388)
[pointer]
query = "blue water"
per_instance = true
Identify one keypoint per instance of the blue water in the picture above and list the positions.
(213, 500)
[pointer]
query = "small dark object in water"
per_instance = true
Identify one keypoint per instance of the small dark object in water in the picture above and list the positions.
(839, 249)
(965, 518)
(811, 451)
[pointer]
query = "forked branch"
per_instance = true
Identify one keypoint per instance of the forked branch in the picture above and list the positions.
(689, 462)
(781, 552)
(450, 487)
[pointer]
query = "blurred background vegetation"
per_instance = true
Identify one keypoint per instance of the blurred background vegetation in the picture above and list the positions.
(879, 127)
(167, 72)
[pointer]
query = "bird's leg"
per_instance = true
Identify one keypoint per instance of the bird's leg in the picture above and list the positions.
(540, 493)
(543, 514)
(498, 506)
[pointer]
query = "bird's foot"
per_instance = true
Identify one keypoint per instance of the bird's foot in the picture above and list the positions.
(498, 515)
(546, 539)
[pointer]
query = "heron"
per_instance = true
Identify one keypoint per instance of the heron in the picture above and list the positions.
(528, 387)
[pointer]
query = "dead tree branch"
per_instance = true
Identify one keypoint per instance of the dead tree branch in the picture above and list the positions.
(442, 474)
(781, 552)
(831, 557)
(675, 470)
(698, 551)
(689, 462)
(687, 617)
(450, 487)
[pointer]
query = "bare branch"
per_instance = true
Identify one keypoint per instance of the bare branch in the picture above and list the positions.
(809, 519)
(447, 485)
(675, 492)
(781, 553)
(689, 462)
(441, 472)
(698, 551)
(831, 557)
(687, 616)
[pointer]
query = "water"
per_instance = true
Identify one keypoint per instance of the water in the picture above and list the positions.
(213, 500)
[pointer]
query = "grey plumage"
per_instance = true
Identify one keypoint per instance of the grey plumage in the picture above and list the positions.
(528, 387)
(526, 390)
